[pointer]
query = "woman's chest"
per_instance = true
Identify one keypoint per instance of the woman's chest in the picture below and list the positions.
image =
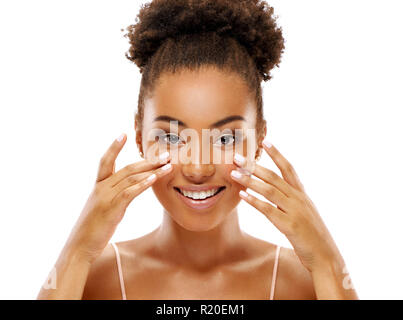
(176, 284)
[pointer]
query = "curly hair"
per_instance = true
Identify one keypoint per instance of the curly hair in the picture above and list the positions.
(238, 36)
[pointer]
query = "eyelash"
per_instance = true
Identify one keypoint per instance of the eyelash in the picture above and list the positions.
(234, 137)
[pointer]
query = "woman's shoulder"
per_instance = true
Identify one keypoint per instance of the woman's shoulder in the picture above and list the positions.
(103, 278)
(293, 280)
(105, 268)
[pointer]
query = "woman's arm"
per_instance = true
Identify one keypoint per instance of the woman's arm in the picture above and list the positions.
(68, 277)
(332, 281)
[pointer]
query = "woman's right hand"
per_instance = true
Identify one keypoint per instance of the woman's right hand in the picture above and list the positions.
(112, 194)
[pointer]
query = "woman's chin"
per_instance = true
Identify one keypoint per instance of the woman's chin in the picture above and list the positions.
(196, 226)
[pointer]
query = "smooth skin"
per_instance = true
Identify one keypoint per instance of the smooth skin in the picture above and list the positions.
(194, 255)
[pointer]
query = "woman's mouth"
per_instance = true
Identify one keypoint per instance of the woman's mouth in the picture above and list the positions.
(202, 199)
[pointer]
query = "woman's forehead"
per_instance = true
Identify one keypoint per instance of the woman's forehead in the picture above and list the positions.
(200, 97)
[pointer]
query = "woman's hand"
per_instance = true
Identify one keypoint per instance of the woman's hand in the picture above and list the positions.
(112, 194)
(293, 212)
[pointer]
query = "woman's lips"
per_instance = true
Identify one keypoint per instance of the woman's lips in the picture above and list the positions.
(200, 204)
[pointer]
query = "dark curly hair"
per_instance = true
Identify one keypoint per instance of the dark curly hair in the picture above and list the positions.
(234, 35)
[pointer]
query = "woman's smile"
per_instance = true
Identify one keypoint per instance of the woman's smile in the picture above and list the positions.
(200, 197)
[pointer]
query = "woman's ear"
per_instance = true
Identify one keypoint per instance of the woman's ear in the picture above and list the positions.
(261, 136)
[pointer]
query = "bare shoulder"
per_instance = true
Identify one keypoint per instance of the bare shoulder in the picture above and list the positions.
(103, 278)
(294, 281)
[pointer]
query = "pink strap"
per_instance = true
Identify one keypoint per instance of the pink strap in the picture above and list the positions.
(122, 284)
(273, 280)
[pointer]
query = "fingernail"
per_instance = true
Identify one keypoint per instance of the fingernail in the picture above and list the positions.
(152, 177)
(243, 193)
(164, 156)
(244, 171)
(239, 159)
(267, 143)
(120, 138)
(166, 167)
(236, 174)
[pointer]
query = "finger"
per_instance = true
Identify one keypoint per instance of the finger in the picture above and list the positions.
(287, 170)
(140, 176)
(245, 165)
(270, 192)
(278, 218)
(123, 199)
(274, 179)
(107, 163)
(265, 174)
(134, 179)
(138, 167)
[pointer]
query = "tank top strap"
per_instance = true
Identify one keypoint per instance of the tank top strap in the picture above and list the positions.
(273, 279)
(122, 284)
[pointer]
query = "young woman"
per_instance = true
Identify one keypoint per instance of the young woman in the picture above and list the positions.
(202, 63)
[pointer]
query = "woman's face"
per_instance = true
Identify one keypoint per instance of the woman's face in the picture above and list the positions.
(199, 101)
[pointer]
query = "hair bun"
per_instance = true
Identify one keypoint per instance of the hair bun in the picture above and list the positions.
(251, 22)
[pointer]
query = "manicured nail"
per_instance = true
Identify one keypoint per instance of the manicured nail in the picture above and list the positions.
(244, 171)
(243, 193)
(164, 156)
(267, 143)
(152, 177)
(239, 159)
(236, 174)
(166, 167)
(120, 138)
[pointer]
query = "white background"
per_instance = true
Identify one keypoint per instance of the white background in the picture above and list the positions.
(333, 109)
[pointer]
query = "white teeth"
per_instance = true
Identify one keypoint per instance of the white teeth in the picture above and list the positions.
(199, 195)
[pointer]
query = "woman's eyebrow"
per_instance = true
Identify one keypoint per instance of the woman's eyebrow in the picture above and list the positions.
(214, 125)
(227, 120)
(169, 119)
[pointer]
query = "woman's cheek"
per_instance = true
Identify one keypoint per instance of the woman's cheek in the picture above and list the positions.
(175, 156)
(167, 180)
(234, 186)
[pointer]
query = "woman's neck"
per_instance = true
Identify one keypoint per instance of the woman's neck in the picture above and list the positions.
(200, 250)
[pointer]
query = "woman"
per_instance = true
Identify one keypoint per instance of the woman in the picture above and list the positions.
(202, 63)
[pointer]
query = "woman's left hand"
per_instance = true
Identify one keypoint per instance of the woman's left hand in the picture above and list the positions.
(293, 212)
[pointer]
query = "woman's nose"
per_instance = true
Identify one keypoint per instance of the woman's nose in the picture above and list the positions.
(198, 172)
(198, 162)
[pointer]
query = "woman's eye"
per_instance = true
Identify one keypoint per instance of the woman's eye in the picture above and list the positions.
(174, 139)
(226, 139)
(167, 138)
